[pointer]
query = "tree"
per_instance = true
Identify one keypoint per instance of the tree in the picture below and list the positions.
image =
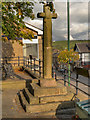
(13, 14)
(66, 56)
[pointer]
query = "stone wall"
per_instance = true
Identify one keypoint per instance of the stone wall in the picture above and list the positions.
(18, 49)
(10, 49)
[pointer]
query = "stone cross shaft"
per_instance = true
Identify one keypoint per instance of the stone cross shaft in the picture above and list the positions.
(47, 44)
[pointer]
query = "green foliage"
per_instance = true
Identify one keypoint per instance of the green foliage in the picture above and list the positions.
(66, 56)
(13, 14)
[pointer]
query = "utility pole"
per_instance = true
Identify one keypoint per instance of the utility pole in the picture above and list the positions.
(68, 31)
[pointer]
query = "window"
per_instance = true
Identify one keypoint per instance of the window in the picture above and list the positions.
(32, 49)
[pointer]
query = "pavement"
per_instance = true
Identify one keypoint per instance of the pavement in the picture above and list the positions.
(11, 108)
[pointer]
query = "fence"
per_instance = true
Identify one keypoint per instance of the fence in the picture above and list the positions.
(15, 61)
(34, 65)
(78, 71)
(30, 62)
(85, 73)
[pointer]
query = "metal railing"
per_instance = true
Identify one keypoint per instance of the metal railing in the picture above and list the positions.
(34, 64)
(30, 62)
(15, 61)
(77, 81)
(78, 71)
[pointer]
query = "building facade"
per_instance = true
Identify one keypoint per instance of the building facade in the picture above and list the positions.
(32, 47)
(84, 52)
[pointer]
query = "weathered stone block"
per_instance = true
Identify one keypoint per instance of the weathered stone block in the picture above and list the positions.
(30, 98)
(47, 91)
(42, 107)
(13, 84)
(35, 80)
(48, 83)
(56, 98)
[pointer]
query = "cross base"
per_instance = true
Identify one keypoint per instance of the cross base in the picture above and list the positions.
(36, 99)
(48, 82)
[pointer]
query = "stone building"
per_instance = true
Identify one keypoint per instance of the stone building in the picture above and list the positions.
(33, 47)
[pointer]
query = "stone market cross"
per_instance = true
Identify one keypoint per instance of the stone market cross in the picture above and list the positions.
(46, 96)
(47, 16)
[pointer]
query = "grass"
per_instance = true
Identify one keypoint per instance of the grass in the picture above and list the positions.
(61, 45)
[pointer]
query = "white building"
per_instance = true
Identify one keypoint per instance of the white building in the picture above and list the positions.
(33, 47)
(84, 52)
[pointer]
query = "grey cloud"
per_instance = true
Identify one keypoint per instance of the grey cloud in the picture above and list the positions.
(78, 20)
(79, 12)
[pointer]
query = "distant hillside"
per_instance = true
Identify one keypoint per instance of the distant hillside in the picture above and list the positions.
(61, 45)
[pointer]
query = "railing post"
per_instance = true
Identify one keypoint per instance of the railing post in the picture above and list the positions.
(23, 61)
(30, 56)
(5, 60)
(18, 60)
(76, 83)
(28, 62)
(34, 66)
(39, 68)
(31, 63)
(52, 72)
(64, 77)
(55, 76)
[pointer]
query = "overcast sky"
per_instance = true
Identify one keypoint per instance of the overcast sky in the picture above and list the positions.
(78, 20)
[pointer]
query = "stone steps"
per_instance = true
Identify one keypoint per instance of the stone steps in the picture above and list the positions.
(33, 104)
(46, 101)
(55, 98)
(55, 110)
(42, 107)
(29, 97)
(38, 91)
(63, 112)
(23, 100)
(54, 106)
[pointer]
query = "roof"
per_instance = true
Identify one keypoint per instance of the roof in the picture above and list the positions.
(83, 47)
(40, 31)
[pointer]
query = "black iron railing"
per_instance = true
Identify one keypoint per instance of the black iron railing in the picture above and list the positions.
(30, 62)
(34, 65)
(15, 61)
(78, 71)
(77, 81)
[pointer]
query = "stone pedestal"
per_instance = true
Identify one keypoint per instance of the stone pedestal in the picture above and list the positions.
(48, 82)
(39, 97)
